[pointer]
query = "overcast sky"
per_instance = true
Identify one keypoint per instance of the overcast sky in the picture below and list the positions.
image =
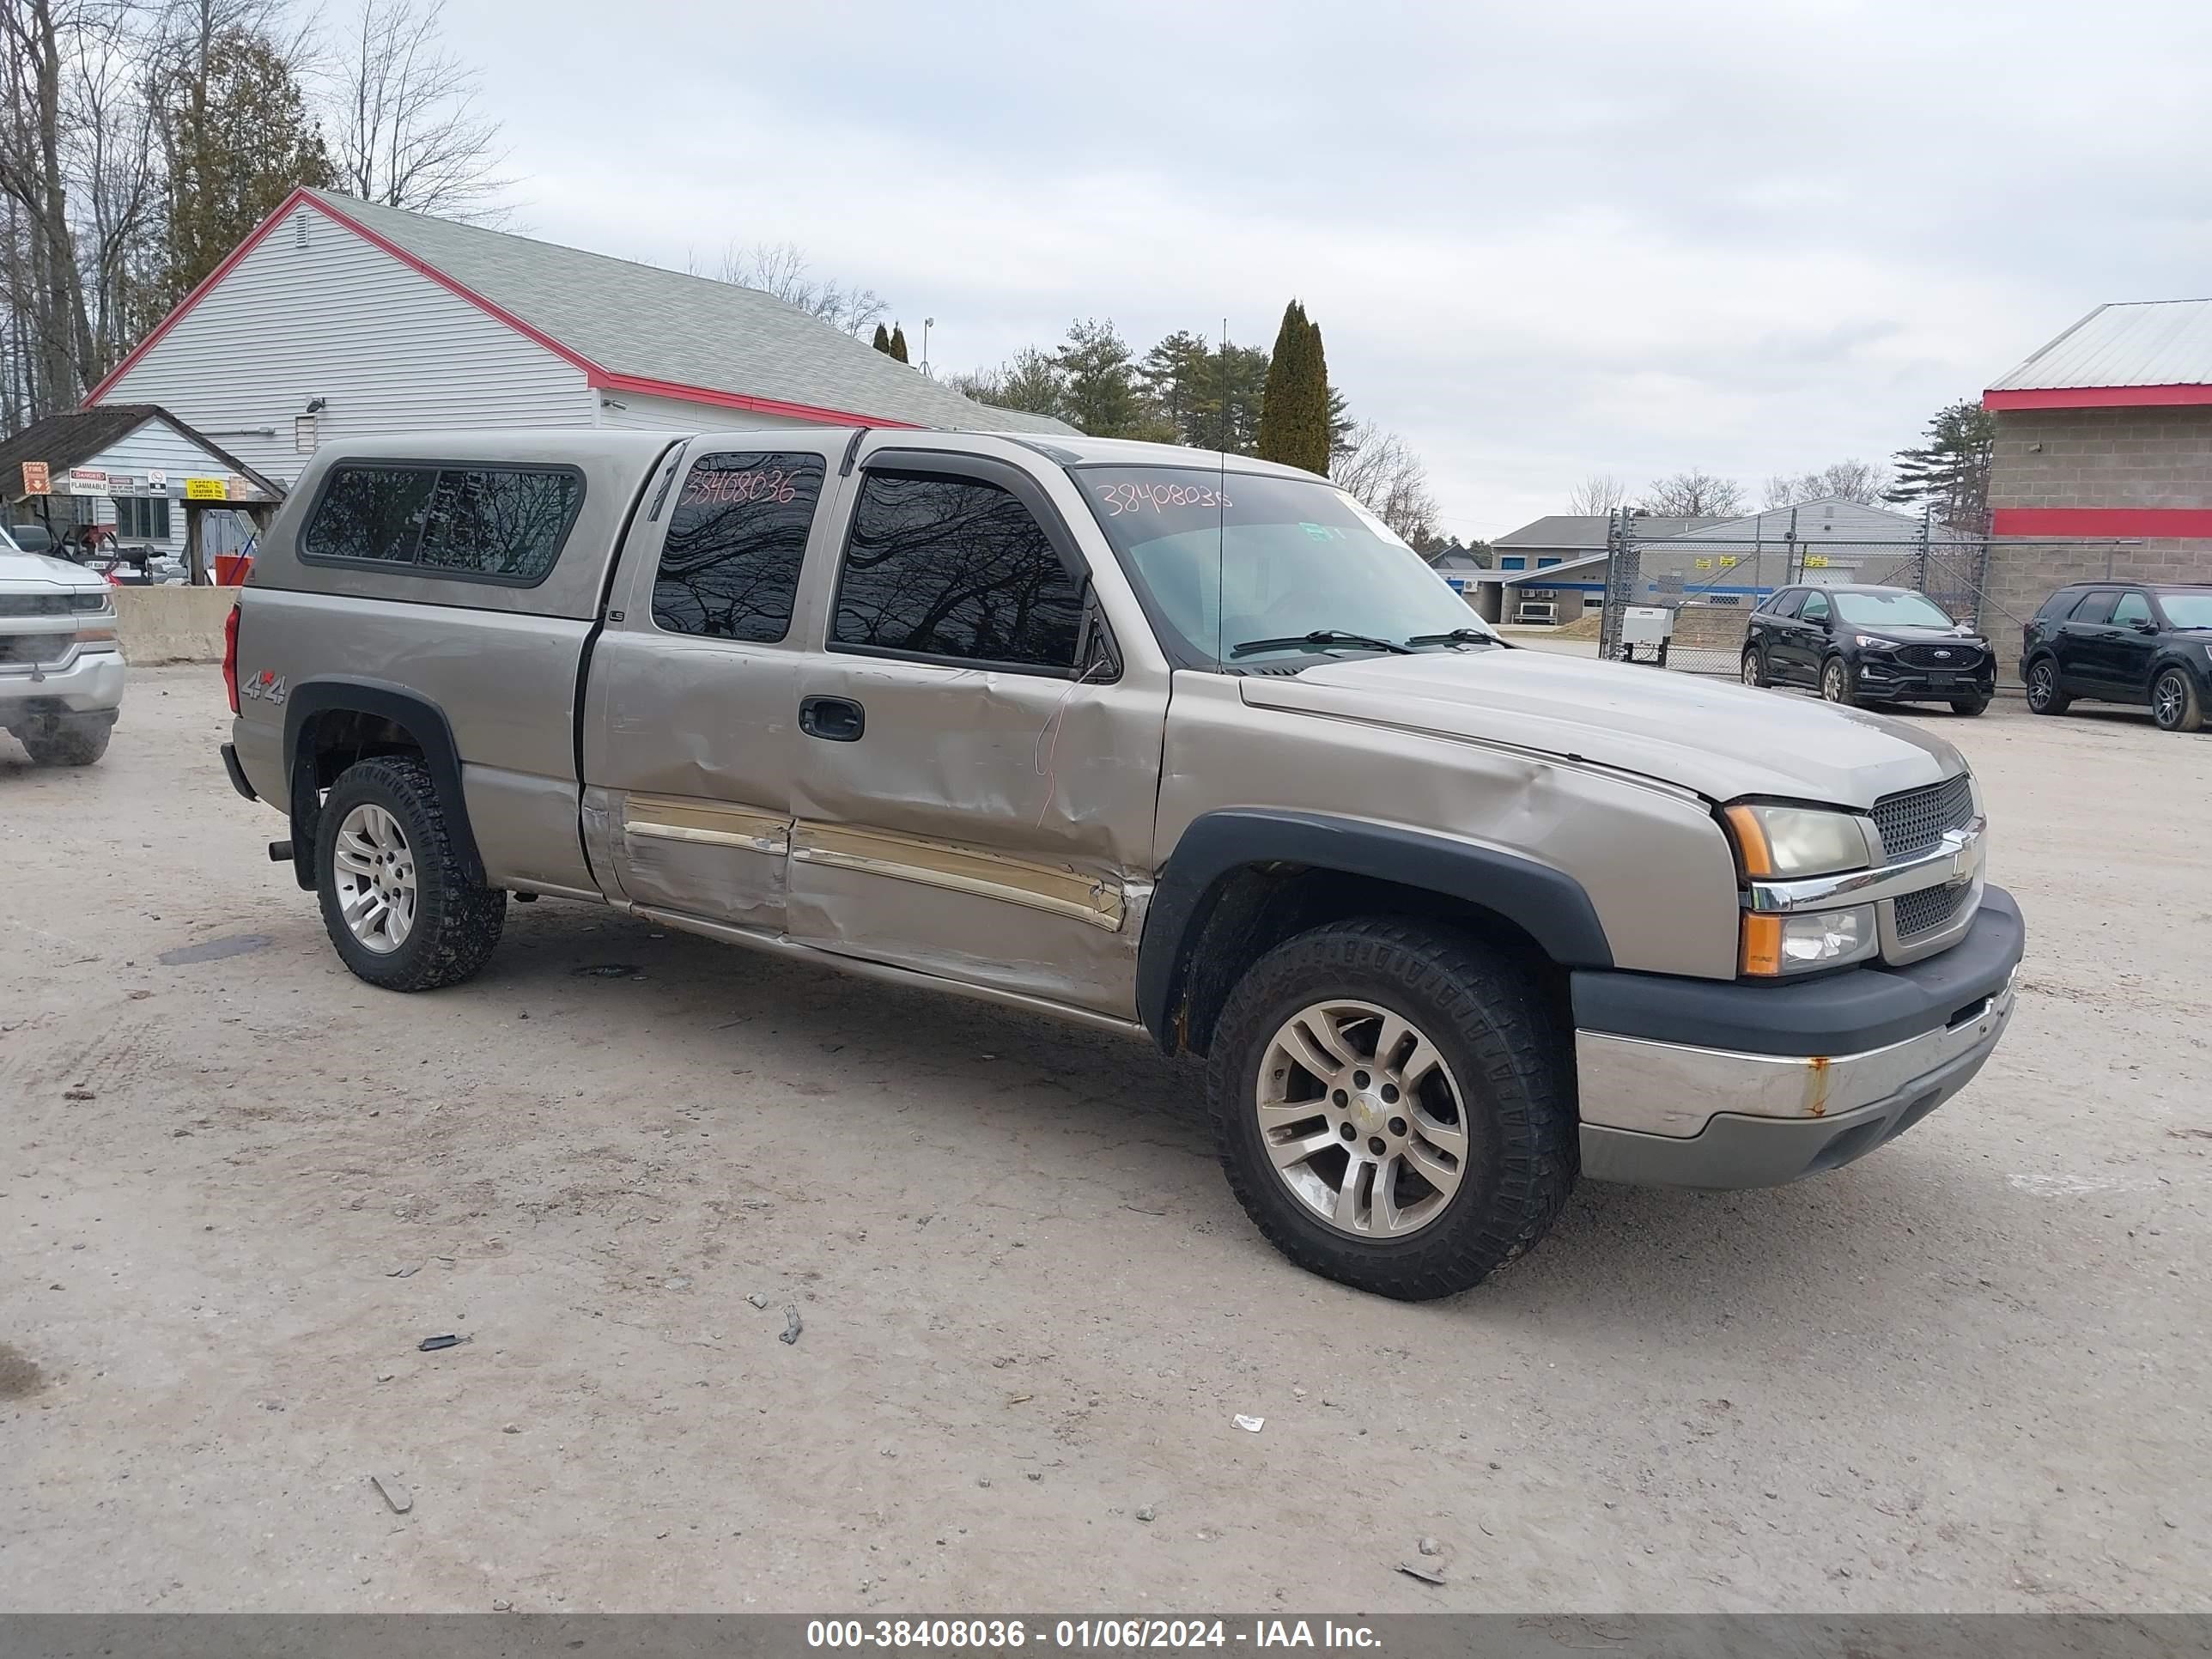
(1541, 241)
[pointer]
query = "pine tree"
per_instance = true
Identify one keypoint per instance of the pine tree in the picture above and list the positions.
(899, 343)
(238, 139)
(1951, 470)
(1294, 417)
(1100, 376)
(883, 339)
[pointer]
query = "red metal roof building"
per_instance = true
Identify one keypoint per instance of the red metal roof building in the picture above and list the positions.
(2103, 459)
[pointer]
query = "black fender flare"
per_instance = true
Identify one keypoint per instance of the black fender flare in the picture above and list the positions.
(421, 719)
(1549, 905)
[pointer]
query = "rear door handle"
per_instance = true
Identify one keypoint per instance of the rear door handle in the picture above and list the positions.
(833, 720)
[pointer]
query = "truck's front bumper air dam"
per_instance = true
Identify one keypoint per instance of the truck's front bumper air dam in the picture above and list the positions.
(1760, 1085)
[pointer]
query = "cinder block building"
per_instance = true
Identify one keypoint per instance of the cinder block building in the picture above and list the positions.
(2103, 460)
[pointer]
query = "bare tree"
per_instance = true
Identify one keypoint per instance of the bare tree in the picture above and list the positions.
(1598, 494)
(780, 269)
(1864, 482)
(407, 130)
(1694, 494)
(1381, 472)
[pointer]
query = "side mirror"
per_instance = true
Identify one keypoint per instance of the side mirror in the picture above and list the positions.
(2145, 625)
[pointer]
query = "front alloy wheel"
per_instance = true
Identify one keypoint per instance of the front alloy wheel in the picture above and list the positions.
(1362, 1119)
(1836, 681)
(2174, 703)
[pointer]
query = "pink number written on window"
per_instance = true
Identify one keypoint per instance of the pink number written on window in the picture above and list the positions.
(704, 489)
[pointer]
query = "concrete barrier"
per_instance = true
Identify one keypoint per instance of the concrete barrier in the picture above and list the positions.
(159, 625)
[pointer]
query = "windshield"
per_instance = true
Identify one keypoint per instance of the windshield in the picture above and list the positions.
(2186, 610)
(1235, 560)
(1892, 610)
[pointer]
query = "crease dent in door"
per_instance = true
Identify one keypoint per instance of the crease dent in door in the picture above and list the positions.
(667, 817)
(1058, 889)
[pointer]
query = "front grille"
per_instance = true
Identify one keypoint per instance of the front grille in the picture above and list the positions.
(1913, 822)
(35, 605)
(1929, 908)
(20, 648)
(1945, 658)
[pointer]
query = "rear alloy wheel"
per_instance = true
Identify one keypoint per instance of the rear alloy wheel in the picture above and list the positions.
(1837, 682)
(2044, 697)
(1754, 667)
(2174, 703)
(400, 910)
(1392, 1106)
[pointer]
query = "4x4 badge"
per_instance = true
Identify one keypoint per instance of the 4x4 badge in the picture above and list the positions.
(268, 686)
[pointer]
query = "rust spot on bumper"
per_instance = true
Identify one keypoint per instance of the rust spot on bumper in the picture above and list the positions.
(1818, 1077)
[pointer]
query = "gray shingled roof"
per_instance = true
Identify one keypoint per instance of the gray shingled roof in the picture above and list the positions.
(659, 324)
(1581, 530)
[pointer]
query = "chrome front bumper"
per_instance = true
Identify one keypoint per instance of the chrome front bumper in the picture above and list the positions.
(83, 682)
(1719, 1112)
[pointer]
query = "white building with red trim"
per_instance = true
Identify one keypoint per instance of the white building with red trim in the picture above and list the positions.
(2103, 459)
(338, 317)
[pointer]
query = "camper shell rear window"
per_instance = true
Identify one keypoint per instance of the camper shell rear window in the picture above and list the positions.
(480, 521)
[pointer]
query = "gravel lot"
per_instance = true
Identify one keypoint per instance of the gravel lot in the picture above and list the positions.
(236, 1191)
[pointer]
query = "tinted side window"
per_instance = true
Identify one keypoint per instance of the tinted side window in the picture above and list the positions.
(954, 568)
(1785, 602)
(2132, 608)
(503, 524)
(736, 541)
(370, 512)
(2097, 608)
(1816, 608)
(2058, 604)
(500, 522)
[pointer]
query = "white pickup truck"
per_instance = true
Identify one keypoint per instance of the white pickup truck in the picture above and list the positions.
(61, 669)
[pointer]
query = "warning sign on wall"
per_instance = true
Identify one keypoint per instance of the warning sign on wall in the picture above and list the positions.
(37, 481)
(206, 489)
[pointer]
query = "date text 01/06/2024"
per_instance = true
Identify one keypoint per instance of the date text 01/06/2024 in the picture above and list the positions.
(1086, 1635)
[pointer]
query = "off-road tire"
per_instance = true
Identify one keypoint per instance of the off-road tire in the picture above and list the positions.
(2044, 697)
(1973, 704)
(1837, 674)
(2174, 703)
(457, 923)
(53, 741)
(1483, 1016)
(1754, 667)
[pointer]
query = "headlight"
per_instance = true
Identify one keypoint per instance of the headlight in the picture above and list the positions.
(1785, 841)
(1869, 642)
(1797, 943)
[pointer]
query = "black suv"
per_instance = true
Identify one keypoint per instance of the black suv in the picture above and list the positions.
(1861, 644)
(2138, 642)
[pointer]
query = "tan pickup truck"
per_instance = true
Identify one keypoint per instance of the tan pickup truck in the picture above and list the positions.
(1189, 748)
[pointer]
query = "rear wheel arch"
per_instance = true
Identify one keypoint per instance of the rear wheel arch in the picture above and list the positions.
(329, 724)
(1240, 882)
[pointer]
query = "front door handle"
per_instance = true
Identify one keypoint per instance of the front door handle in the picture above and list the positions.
(834, 720)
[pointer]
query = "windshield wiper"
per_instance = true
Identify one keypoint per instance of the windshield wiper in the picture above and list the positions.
(1319, 636)
(1456, 637)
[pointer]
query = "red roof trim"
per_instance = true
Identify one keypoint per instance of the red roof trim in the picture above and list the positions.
(644, 387)
(2102, 522)
(2099, 397)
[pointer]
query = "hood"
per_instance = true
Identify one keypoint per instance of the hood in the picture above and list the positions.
(36, 572)
(1906, 633)
(1721, 739)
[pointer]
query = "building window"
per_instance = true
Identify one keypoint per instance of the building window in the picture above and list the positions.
(1512, 562)
(142, 517)
(955, 567)
(736, 541)
(503, 524)
(1541, 563)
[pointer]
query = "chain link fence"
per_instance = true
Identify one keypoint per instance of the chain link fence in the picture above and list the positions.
(1708, 587)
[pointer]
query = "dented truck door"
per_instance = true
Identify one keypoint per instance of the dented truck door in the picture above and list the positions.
(977, 762)
(691, 701)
